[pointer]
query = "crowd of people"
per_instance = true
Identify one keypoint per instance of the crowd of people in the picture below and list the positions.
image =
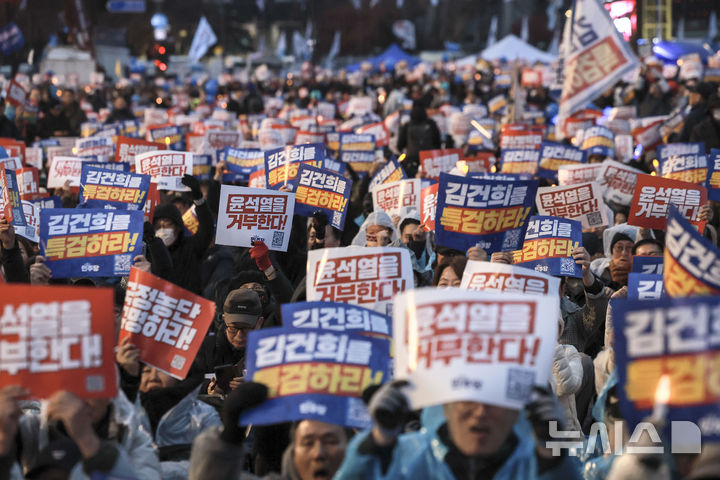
(162, 427)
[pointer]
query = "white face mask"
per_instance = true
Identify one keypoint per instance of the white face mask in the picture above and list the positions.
(167, 235)
(716, 114)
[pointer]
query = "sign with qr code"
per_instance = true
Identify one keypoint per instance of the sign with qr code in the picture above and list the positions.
(166, 168)
(90, 242)
(713, 175)
(459, 345)
(248, 214)
(165, 322)
(58, 338)
(582, 202)
(548, 244)
(654, 195)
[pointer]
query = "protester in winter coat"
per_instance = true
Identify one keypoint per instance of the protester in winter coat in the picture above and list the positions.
(708, 130)
(420, 133)
(566, 380)
(72, 111)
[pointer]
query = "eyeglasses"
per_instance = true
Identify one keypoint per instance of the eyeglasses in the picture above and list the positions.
(233, 330)
(621, 249)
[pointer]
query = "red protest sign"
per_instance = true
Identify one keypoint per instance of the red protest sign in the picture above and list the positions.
(432, 162)
(428, 207)
(152, 201)
(16, 94)
(518, 136)
(531, 78)
(13, 148)
(128, 147)
(382, 136)
(167, 323)
(653, 196)
(28, 183)
(58, 338)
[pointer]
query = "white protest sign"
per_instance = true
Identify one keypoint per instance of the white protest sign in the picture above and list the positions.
(619, 181)
(399, 197)
(63, 169)
(573, 174)
(367, 276)
(500, 277)
(249, 214)
(488, 347)
(165, 167)
(582, 202)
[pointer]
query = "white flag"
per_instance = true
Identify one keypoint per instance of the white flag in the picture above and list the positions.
(405, 31)
(334, 50)
(595, 56)
(492, 32)
(204, 38)
(281, 45)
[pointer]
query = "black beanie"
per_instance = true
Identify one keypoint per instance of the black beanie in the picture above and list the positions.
(617, 238)
(169, 212)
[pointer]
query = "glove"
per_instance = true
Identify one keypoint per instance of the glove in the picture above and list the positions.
(246, 395)
(194, 186)
(260, 253)
(542, 409)
(389, 407)
(148, 232)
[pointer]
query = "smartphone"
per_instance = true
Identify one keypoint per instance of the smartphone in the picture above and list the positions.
(224, 374)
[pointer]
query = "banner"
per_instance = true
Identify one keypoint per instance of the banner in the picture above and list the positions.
(165, 322)
(58, 338)
(169, 135)
(499, 277)
(63, 169)
(11, 206)
(581, 202)
(683, 161)
(674, 337)
(356, 150)
(553, 155)
(166, 168)
(281, 164)
(338, 317)
(618, 182)
(574, 174)
(112, 190)
(519, 161)
(432, 162)
(653, 195)
(202, 165)
(428, 207)
(520, 137)
(314, 374)
(250, 214)
(643, 286)
(397, 198)
(241, 162)
(713, 178)
(594, 59)
(692, 263)
(491, 214)
(547, 247)
(319, 189)
(648, 265)
(90, 242)
(203, 39)
(488, 347)
(100, 146)
(368, 276)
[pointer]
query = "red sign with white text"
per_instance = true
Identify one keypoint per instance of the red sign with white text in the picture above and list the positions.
(653, 196)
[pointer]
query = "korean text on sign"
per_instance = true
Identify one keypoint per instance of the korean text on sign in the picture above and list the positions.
(90, 242)
(618, 182)
(322, 190)
(398, 197)
(489, 213)
(713, 177)
(553, 155)
(241, 162)
(100, 188)
(642, 286)
(581, 202)
(165, 322)
(281, 164)
(499, 277)
(392, 171)
(314, 373)
(339, 317)
(435, 161)
(460, 345)
(675, 337)
(57, 338)
(428, 207)
(250, 214)
(520, 161)
(683, 161)
(165, 167)
(369, 276)
(548, 244)
(653, 196)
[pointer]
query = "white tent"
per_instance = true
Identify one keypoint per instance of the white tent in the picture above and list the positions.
(512, 48)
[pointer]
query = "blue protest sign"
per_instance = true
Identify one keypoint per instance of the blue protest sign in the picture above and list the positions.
(241, 162)
(318, 189)
(115, 166)
(11, 38)
(548, 244)
(648, 265)
(329, 369)
(643, 286)
(171, 137)
(90, 242)
(553, 155)
(392, 171)
(202, 166)
(519, 161)
(338, 317)
(683, 161)
(12, 207)
(281, 164)
(713, 176)
(125, 6)
(491, 214)
(108, 189)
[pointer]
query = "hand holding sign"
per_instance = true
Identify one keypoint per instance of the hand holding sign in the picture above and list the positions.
(245, 396)
(7, 234)
(77, 417)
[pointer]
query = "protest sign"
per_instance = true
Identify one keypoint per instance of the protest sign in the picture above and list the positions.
(151, 201)
(338, 317)
(100, 146)
(553, 155)
(368, 276)
(165, 322)
(11, 163)
(314, 374)
(281, 164)
(357, 150)
(648, 265)
(16, 94)
(679, 338)
(500, 277)
(653, 195)
(491, 214)
(683, 161)
(202, 165)
(14, 148)
(574, 174)
(520, 137)
(618, 182)
(270, 139)
(692, 263)
(63, 169)
(31, 213)
(643, 286)
(598, 140)
(108, 189)
(519, 161)
(378, 131)
(487, 347)
(250, 214)
(34, 157)
(168, 135)
(258, 179)
(713, 177)
(432, 162)
(397, 198)
(321, 190)
(28, 183)
(190, 221)
(547, 246)
(308, 137)
(90, 242)
(221, 139)
(58, 338)
(241, 162)
(11, 206)
(582, 202)
(165, 168)
(428, 207)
